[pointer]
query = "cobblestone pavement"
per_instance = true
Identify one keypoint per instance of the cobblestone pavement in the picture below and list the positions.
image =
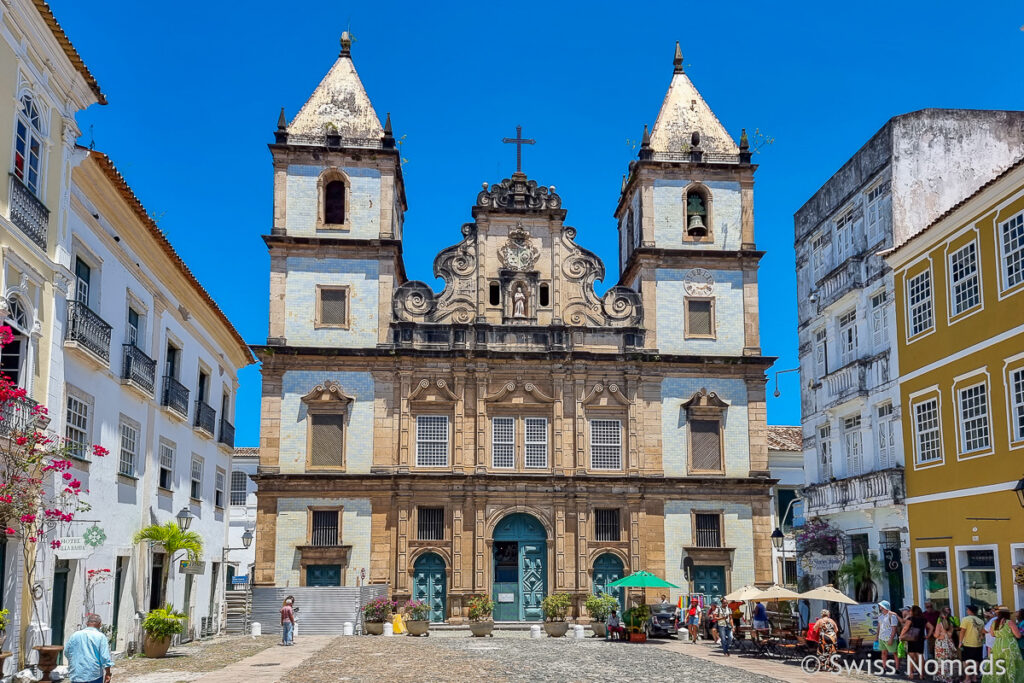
(190, 661)
(508, 656)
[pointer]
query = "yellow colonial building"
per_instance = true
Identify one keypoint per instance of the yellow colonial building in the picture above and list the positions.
(960, 310)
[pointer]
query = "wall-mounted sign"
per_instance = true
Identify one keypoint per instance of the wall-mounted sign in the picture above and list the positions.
(822, 563)
(506, 597)
(73, 548)
(186, 567)
(240, 579)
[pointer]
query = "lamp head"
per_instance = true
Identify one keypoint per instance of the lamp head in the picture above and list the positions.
(184, 518)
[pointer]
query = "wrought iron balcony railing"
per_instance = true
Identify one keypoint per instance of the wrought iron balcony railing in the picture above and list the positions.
(206, 418)
(227, 433)
(138, 368)
(28, 213)
(175, 396)
(88, 330)
(16, 416)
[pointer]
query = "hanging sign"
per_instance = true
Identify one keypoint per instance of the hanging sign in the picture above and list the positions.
(893, 559)
(186, 567)
(73, 548)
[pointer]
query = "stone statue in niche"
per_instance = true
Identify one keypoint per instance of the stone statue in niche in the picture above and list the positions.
(519, 303)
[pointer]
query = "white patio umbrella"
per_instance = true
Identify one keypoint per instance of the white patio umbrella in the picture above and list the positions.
(775, 592)
(828, 594)
(744, 593)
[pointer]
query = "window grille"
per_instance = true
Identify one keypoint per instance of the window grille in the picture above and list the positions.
(606, 444)
(432, 441)
(963, 281)
(333, 306)
(325, 528)
(606, 524)
(430, 524)
(707, 445)
(536, 442)
(919, 295)
(327, 439)
(503, 442)
(926, 424)
(974, 418)
(698, 314)
(707, 530)
(129, 449)
(239, 483)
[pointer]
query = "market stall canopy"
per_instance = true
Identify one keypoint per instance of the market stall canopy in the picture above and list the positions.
(745, 593)
(775, 592)
(641, 579)
(828, 594)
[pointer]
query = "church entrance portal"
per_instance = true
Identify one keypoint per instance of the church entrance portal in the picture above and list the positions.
(520, 569)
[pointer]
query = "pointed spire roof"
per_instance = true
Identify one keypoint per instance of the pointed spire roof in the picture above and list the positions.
(684, 112)
(340, 104)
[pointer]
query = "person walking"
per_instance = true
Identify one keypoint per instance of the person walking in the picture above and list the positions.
(287, 621)
(724, 616)
(1006, 661)
(945, 648)
(1019, 619)
(888, 625)
(712, 621)
(693, 615)
(828, 636)
(972, 641)
(916, 630)
(931, 615)
(88, 653)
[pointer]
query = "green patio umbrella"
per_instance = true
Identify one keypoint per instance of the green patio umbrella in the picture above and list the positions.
(641, 579)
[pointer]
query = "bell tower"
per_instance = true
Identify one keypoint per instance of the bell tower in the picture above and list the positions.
(686, 229)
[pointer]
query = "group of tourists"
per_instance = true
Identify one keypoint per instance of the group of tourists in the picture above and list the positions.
(721, 620)
(917, 636)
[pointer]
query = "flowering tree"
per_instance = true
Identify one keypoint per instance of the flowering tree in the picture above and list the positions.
(93, 578)
(39, 495)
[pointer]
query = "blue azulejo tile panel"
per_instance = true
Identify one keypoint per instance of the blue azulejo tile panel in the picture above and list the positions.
(303, 202)
(739, 534)
(670, 214)
(292, 531)
(303, 276)
(728, 314)
(675, 436)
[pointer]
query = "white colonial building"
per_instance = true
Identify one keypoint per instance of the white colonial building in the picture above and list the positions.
(786, 466)
(242, 514)
(911, 171)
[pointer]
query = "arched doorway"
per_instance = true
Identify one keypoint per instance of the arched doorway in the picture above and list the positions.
(608, 568)
(520, 568)
(429, 583)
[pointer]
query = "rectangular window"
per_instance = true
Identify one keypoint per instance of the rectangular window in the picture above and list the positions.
(325, 528)
(935, 579)
(852, 440)
(503, 442)
(27, 150)
(536, 442)
(978, 578)
(879, 320)
(707, 530)
(430, 524)
(974, 432)
(700, 318)
(1017, 396)
(825, 452)
(129, 449)
(218, 488)
(784, 507)
(83, 277)
(166, 465)
(239, 484)
(965, 290)
(820, 253)
(196, 489)
(919, 302)
(133, 327)
(1011, 246)
(706, 445)
(878, 213)
(76, 429)
(886, 430)
(821, 352)
(432, 441)
(848, 337)
(606, 444)
(926, 427)
(789, 572)
(844, 236)
(332, 307)
(327, 439)
(606, 524)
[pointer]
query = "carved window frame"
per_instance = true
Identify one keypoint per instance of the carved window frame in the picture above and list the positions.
(339, 509)
(705, 406)
(328, 176)
(327, 399)
(705, 192)
(318, 322)
(717, 513)
(687, 334)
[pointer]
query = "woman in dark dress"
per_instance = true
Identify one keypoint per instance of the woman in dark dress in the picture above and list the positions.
(916, 630)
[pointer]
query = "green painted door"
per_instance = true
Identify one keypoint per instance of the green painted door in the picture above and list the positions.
(59, 602)
(608, 568)
(710, 581)
(429, 581)
(323, 575)
(533, 580)
(520, 569)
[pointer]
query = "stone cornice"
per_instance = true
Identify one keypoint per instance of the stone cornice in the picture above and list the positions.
(290, 243)
(731, 259)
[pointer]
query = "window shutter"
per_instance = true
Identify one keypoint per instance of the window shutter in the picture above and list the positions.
(333, 305)
(707, 445)
(327, 440)
(699, 313)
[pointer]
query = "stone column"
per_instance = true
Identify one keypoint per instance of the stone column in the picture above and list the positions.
(403, 506)
(270, 409)
(751, 316)
(757, 426)
(632, 393)
(266, 540)
(481, 419)
(747, 212)
(278, 289)
(561, 582)
(404, 420)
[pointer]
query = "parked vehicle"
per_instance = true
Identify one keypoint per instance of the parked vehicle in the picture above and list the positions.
(663, 621)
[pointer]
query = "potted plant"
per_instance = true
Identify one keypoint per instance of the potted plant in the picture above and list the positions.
(161, 625)
(599, 607)
(636, 620)
(555, 608)
(480, 622)
(417, 618)
(375, 613)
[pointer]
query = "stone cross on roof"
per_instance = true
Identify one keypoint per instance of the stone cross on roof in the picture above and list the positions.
(519, 141)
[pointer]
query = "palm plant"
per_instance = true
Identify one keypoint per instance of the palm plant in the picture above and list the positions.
(862, 572)
(174, 541)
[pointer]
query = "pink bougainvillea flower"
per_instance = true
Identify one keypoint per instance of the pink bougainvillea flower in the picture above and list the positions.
(28, 519)
(10, 531)
(6, 335)
(99, 451)
(67, 475)
(54, 544)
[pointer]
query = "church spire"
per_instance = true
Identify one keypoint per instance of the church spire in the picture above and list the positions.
(388, 141)
(683, 113)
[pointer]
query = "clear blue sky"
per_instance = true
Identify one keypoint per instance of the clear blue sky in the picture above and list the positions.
(195, 89)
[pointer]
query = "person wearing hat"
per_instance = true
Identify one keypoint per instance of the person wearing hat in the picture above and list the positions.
(693, 619)
(888, 627)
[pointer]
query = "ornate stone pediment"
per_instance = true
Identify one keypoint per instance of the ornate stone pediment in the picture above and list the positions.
(328, 393)
(619, 307)
(704, 401)
(518, 194)
(437, 390)
(509, 390)
(602, 394)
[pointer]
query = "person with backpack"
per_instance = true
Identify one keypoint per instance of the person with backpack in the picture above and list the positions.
(916, 630)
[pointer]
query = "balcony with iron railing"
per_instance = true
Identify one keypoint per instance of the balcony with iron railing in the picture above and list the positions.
(860, 492)
(28, 213)
(17, 416)
(87, 330)
(175, 396)
(227, 433)
(138, 369)
(205, 418)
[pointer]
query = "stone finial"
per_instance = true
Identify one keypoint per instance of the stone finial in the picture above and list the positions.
(346, 44)
(645, 145)
(677, 61)
(388, 141)
(622, 188)
(282, 122)
(281, 134)
(744, 147)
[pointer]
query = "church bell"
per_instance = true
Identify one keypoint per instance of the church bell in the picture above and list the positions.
(696, 227)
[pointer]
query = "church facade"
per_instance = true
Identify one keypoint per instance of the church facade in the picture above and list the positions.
(516, 434)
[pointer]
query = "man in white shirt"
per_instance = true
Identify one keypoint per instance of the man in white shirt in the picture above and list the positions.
(990, 638)
(613, 625)
(887, 641)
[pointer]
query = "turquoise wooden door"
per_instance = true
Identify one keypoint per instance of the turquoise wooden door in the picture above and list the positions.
(533, 580)
(429, 583)
(519, 582)
(323, 575)
(608, 568)
(710, 581)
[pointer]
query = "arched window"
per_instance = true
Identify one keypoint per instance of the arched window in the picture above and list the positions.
(697, 201)
(334, 203)
(494, 290)
(28, 144)
(545, 294)
(12, 355)
(630, 229)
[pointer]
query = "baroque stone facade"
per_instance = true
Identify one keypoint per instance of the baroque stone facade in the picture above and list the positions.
(515, 434)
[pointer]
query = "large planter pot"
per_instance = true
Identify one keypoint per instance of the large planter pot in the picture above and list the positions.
(556, 629)
(640, 637)
(418, 627)
(373, 628)
(155, 648)
(482, 628)
(48, 658)
(599, 628)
